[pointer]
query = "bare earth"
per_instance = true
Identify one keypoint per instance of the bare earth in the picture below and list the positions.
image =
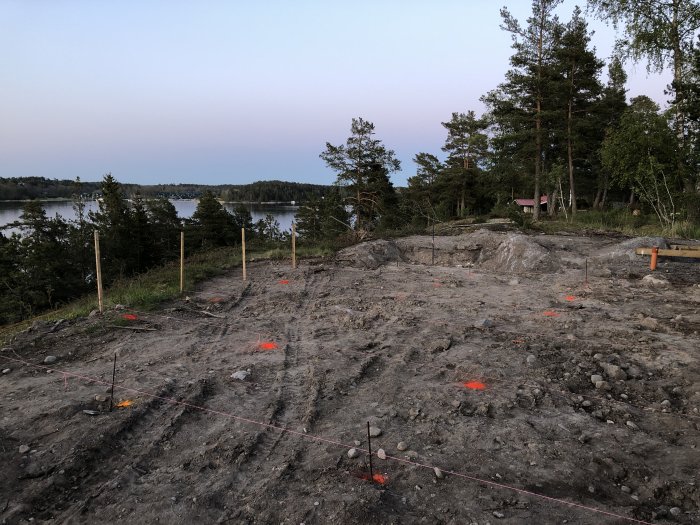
(377, 334)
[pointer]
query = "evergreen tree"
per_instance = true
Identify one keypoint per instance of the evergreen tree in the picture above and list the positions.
(214, 226)
(361, 165)
(523, 106)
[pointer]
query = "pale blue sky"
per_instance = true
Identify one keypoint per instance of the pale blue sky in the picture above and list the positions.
(237, 91)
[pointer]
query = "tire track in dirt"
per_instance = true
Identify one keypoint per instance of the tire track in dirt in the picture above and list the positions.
(106, 451)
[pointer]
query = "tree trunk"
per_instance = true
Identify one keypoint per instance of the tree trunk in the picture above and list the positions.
(551, 203)
(569, 147)
(538, 120)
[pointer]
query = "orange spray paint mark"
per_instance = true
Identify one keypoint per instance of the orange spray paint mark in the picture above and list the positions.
(377, 478)
(550, 313)
(129, 317)
(124, 404)
(570, 298)
(474, 385)
(284, 281)
(268, 345)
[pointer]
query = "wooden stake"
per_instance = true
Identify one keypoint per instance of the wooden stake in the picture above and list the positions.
(369, 446)
(294, 246)
(114, 374)
(243, 248)
(100, 298)
(182, 261)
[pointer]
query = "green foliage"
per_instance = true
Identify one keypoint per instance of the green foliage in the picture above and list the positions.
(212, 225)
(323, 219)
(363, 164)
(640, 154)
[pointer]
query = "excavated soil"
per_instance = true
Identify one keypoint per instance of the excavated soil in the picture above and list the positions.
(480, 365)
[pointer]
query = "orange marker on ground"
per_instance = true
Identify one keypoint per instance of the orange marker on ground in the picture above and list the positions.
(129, 317)
(268, 345)
(474, 385)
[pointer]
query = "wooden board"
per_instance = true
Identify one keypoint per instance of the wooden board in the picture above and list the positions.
(693, 254)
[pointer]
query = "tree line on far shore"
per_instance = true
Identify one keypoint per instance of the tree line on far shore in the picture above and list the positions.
(52, 260)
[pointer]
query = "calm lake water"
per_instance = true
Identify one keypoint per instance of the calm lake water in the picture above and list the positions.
(10, 211)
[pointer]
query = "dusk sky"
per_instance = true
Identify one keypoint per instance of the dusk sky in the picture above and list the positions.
(231, 92)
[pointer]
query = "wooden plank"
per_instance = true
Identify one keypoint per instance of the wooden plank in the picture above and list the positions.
(693, 254)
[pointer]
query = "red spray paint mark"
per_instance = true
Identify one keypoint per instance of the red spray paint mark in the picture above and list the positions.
(284, 281)
(550, 313)
(216, 300)
(474, 385)
(129, 317)
(377, 478)
(570, 298)
(268, 345)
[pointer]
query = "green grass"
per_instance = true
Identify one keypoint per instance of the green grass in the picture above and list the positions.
(148, 290)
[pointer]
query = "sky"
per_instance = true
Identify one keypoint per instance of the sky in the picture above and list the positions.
(234, 91)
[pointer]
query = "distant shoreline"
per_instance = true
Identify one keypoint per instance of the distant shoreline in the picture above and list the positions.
(63, 199)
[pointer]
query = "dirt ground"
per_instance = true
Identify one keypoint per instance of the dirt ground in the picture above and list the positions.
(480, 365)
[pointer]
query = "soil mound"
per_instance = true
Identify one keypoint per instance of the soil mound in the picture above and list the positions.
(517, 254)
(625, 251)
(370, 255)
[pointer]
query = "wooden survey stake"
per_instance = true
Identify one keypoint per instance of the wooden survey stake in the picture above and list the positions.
(243, 248)
(182, 261)
(294, 246)
(100, 301)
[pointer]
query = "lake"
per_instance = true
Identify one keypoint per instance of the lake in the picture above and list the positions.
(11, 211)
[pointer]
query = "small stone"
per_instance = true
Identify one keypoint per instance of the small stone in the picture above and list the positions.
(614, 371)
(6, 371)
(531, 359)
(654, 281)
(595, 378)
(587, 403)
(602, 385)
(412, 454)
(402, 446)
(485, 323)
(625, 489)
(675, 511)
(50, 359)
(591, 489)
(381, 454)
(100, 398)
(119, 307)
(456, 403)
(357, 443)
(634, 372)
(632, 425)
(650, 323)
(93, 313)
(353, 453)
(241, 375)
(375, 432)
(499, 515)
(514, 282)
(91, 412)
(23, 449)
(666, 403)
(438, 473)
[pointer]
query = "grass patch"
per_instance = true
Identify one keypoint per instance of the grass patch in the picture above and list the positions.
(148, 290)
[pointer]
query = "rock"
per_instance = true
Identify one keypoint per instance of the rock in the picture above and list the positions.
(23, 449)
(353, 453)
(456, 403)
(357, 443)
(484, 323)
(7, 371)
(595, 378)
(650, 323)
(50, 359)
(499, 515)
(675, 511)
(634, 372)
(91, 412)
(632, 425)
(652, 280)
(241, 375)
(666, 403)
(93, 313)
(438, 473)
(401, 446)
(613, 371)
(440, 345)
(625, 489)
(412, 454)
(531, 359)
(375, 432)
(514, 282)
(602, 385)
(587, 403)
(100, 398)
(381, 454)
(119, 307)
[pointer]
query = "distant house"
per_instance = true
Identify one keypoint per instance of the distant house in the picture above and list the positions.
(528, 205)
